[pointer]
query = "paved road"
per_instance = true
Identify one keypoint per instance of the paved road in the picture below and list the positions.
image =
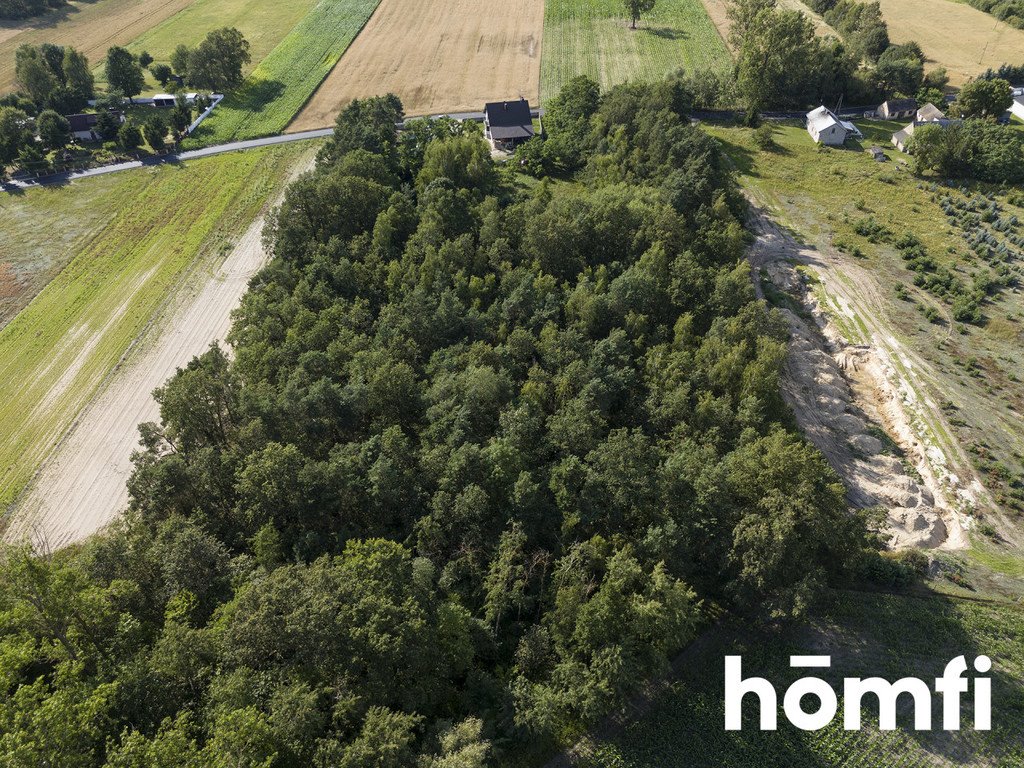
(14, 185)
(234, 146)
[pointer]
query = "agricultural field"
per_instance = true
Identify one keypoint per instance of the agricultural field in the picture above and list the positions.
(91, 27)
(866, 635)
(593, 38)
(450, 56)
(158, 227)
(962, 379)
(954, 35)
(264, 23)
(282, 83)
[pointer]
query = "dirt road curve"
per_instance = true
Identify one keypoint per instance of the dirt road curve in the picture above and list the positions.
(81, 486)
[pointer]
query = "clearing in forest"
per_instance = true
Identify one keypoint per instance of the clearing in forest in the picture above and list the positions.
(592, 37)
(954, 35)
(57, 350)
(437, 56)
(91, 27)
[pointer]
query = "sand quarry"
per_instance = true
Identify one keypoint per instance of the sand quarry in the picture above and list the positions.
(437, 56)
(851, 404)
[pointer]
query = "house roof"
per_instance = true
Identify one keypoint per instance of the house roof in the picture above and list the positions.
(900, 105)
(821, 119)
(509, 119)
(81, 122)
(930, 112)
(903, 134)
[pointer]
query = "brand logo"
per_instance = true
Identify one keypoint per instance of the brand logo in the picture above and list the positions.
(950, 686)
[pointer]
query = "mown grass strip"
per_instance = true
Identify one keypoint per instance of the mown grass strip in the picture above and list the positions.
(283, 82)
(592, 37)
(55, 353)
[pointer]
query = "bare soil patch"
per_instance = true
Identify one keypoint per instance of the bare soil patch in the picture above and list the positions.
(437, 56)
(851, 405)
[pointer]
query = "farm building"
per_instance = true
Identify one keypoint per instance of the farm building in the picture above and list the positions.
(894, 109)
(507, 123)
(928, 114)
(876, 154)
(826, 128)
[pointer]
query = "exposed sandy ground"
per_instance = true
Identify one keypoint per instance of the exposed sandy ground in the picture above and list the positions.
(90, 27)
(954, 35)
(437, 56)
(842, 394)
(81, 486)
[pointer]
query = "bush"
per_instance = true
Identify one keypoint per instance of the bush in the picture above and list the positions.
(764, 136)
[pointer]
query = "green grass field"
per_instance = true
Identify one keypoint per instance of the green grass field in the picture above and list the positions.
(592, 37)
(156, 226)
(865, 635)
(264, 23)
(282, 83)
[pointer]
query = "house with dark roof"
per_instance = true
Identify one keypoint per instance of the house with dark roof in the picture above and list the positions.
(507, 123)
(83, 126)
(895, 109)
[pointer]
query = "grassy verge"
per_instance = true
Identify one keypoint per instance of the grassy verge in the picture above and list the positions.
(282, 83)
(865, 635)
(55, 353)
(592, 37)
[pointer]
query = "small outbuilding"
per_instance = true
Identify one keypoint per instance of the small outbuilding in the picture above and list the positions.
(876, 154)
(508, 123)
(896, 109)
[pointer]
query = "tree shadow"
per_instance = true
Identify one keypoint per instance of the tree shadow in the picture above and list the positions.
(667, 33)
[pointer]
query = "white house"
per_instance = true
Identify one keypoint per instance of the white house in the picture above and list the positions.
(1017, 105)
(927, 114)
(826, 128)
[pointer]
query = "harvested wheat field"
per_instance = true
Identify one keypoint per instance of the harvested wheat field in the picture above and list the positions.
(437, 56)
(954, 35)
(89, 27)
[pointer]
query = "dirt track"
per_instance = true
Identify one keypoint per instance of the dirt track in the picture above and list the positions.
(437, 56)
(81, 486)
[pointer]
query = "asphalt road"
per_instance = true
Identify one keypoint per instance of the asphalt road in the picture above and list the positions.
(14, 185)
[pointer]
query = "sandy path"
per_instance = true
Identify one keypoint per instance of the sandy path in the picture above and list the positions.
(81, 485)
(437, 56)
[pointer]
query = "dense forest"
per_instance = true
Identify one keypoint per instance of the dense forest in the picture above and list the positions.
(487, 453)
